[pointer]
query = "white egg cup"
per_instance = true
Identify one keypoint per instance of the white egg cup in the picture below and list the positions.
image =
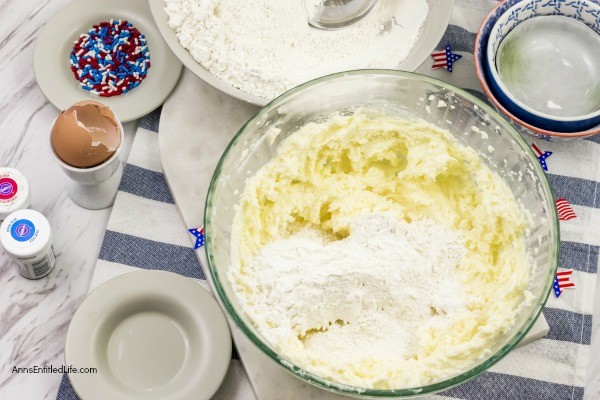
(94, 188)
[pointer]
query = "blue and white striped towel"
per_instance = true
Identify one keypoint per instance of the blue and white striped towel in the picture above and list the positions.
(145, 231)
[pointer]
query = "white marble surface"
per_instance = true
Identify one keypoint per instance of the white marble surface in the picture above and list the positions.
(34, 315)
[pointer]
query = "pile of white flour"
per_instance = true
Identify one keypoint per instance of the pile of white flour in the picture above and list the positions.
(371, 292)
(265, 47)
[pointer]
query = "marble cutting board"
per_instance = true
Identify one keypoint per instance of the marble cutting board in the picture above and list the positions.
(197, 123)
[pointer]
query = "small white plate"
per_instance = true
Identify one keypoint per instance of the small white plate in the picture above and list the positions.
(432, 31)
(55, 42)
(151, 335)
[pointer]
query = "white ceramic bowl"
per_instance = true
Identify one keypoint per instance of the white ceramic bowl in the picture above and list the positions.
(150, 335)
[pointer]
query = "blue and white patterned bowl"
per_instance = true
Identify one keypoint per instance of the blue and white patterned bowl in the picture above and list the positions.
(541, 61)
(505, 17)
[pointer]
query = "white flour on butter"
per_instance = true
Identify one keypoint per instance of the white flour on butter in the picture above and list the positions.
(266, 47)
(378, 252)
(364, 299)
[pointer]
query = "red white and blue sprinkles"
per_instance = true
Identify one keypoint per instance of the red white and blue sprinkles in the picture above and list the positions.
(110, 59)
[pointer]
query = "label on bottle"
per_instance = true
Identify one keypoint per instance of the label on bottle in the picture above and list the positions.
(8, 189)
(37, 266)
(23, 230)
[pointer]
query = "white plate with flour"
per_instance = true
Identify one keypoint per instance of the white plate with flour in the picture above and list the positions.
(432, 29)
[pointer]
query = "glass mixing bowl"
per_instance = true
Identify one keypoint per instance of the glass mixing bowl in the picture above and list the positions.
(401, 93)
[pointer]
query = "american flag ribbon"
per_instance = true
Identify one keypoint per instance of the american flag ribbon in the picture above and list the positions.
(562, 281)
(565, 211)
(445, 58)
(542, 156)
(199, 234)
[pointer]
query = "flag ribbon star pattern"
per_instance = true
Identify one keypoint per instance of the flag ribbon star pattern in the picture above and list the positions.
(565, 211)
(542, 156)
(563, 281)
(445, 58)
(199, 234)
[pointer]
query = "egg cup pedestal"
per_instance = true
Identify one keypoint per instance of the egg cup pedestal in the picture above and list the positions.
(96, 196)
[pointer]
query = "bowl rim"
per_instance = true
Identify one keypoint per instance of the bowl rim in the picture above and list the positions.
(345, 389)
(484, 84)
(492, 58)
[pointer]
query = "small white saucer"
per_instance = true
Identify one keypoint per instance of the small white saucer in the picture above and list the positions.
(55, 42)
(151, 335)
